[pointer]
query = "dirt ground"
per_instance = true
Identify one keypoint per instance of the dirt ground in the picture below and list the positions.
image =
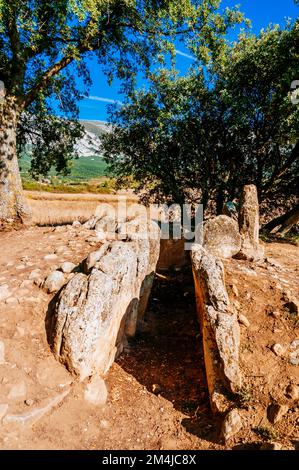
(157, 391)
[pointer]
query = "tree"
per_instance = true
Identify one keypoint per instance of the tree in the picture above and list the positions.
(44, 43)
(220, 127)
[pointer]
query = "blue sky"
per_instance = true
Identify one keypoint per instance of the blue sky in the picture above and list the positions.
(260, 12)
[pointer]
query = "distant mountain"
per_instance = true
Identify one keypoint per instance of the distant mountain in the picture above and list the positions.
(91, 143)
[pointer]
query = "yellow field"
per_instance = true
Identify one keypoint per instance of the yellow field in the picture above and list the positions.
(59, 209)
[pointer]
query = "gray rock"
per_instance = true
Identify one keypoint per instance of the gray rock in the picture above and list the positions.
(243, 321)
(4, 292)
(11, 301)
(95, 256)
(76, 224)
(32, 416)
(94, 312)
(29, 402)
(249, 225)
(220, 328)
(67, 267)
(221, 236)
(276, 411)
(231, 425)
(96, 392)
(35, 274)
(51, 257)
(278, 349)
(54, 282)
(2, 352)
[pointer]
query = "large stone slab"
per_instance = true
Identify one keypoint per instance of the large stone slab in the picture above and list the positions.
(221, 236)
(95, 311)
(219, 325)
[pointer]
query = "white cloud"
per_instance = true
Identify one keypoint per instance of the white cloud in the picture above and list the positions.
(183, 54)
(103, 100)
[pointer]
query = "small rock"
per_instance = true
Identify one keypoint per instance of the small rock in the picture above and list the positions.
(294, 344)
(271, 446)
(294, 358)
(231, 425)
(51, 257)
(156, 389)
(26, 283)
(18, 391)
(96, 392)
(4, 292)
(104, 424)
(278, 349)
(61, 249)
(95, 256)
(275, 314)
(77, 224)
(29, 402)
(2, 352)
(243, 321)
(3, 410)
(54, 282)
(275, 412)
(21, 266)
(11, 300)
(67, 267)
(36, 274)
(235, 290)
(292, 392)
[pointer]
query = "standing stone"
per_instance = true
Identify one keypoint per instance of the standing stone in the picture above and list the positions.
(249, 225)
(220, 328)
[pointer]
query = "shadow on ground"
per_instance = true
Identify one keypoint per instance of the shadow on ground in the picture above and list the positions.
(166, 356)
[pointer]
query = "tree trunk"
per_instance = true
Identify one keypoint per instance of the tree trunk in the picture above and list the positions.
(289, 223)
(13, 205)
(286, 221)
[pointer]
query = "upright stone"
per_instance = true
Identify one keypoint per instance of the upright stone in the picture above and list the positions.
(219, 325)
(249, 225)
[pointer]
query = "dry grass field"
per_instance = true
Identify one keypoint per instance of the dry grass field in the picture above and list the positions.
(60, 209)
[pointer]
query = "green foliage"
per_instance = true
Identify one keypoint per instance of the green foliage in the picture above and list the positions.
(45, 44)
(82, 169)
(204, 136)
(267, 433)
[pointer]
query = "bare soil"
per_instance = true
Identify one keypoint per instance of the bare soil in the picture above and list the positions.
(157, 391)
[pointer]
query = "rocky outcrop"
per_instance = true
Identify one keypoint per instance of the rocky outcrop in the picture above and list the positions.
(221, 236)
(249, 225)
(219, 325)
(97, 310)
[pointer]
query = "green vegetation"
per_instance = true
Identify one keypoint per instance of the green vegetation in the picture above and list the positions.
(87, 175)
(202, 137)
(266, 432)
(82, 169)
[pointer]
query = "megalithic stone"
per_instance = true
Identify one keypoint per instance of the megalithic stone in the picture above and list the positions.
(249, 225)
